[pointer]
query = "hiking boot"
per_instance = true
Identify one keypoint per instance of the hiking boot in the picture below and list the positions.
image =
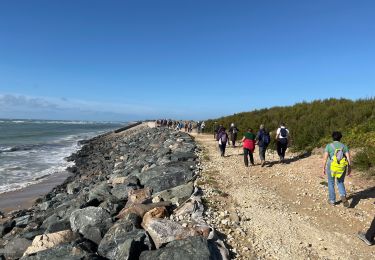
(331, 202)
(345, 202)
(362, 236)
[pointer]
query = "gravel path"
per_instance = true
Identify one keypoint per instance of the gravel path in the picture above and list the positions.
(280, 211)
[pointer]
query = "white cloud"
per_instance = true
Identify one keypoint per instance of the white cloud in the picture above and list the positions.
(20, 106)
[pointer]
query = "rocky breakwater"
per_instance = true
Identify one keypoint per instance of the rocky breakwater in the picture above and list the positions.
(131, 196)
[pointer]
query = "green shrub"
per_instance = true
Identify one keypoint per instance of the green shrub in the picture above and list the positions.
(364, 160)
(311, 124)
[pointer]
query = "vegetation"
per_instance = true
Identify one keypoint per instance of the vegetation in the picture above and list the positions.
(311, 124)
(364, 160)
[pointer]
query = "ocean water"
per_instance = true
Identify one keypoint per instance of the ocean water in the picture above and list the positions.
(31, 150)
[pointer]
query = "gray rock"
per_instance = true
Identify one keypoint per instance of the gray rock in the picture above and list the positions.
(22, 221)
(177, 194)
(192, 248)
(6, 227)
(120, 191)
(124, 241)
(73, 187)
(100, 192)
(183, 156)
(167, 176)
(15, 248)
(62, 252)
(91, 222)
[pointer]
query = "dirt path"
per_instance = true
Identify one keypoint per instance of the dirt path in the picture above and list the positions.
(281, 211)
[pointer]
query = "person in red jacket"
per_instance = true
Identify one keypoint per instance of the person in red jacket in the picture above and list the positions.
(248, 144)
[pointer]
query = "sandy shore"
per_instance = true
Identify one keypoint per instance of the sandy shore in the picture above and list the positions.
(24, 198)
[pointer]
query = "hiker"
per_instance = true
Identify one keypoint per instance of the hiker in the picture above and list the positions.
(217, 131)
(198, 127)
(233, 130)
(222, 137)
(336, 164)
(263, 139)
(186, 126)
(282, 136)
(369, 236)
(203, 125)
(248, 144)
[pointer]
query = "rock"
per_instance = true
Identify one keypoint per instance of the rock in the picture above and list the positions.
(62, 252)
(121, 191)
(167, 176)
(100, 193)
(15, 248)
(141, 209)
(6, 226)
(177, 194)
(124, 241)
(163, 231)
(158, 212)
(73, 187)
(47, 241)
(91, 222)
(191, 248)
(138, 196)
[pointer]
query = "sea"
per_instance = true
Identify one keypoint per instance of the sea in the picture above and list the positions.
(32, 150)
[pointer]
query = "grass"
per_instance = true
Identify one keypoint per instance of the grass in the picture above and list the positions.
(364, 161)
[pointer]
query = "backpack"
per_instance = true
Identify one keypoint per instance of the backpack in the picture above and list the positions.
(234, 130)
(339, 162)
(266, 139)
(224, 138)
(249, 144)
(283, 132)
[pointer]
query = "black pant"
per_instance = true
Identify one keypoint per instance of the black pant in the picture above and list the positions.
(281, 146)
(370, 234)
(234, 137)
(222, 148)
(247, 152)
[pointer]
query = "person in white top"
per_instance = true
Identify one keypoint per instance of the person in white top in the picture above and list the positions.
(282, 136)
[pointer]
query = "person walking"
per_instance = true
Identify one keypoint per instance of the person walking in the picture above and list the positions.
(369, 236)
(222, 138)
(203, 125)
(282, 136)
(263, 139)
(248, 144)
(336, 164)
(233, 131)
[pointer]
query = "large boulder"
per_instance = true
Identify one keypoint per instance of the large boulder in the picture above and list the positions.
(46, 241)
(91, 222)
(124, 241)
(167, 176)
(191, 248)
(138, 196)
(141, 209)
(163, 231)
(15, 248)
(177, 194)
(63, 252)
(6, 226)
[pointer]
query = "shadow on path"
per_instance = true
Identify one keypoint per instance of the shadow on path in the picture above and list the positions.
(364, 194)
(288, 161)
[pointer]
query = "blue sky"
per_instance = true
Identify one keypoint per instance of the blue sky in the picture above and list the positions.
(125, 60)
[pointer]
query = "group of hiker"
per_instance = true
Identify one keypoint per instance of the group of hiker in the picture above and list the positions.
(179, 125)
(336, 161)
(250, 140)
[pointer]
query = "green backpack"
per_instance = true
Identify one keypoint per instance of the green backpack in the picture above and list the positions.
(338, 162)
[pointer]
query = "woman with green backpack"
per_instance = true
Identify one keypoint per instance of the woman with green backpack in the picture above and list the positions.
(336, 164)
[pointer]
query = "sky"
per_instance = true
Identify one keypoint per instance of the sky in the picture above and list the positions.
(196, 59)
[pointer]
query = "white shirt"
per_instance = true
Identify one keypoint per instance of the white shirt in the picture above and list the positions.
(278, 132)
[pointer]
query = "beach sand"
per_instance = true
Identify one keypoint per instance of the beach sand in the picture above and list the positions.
(25, 198)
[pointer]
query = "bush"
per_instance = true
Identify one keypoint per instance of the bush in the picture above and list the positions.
(364, 160)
